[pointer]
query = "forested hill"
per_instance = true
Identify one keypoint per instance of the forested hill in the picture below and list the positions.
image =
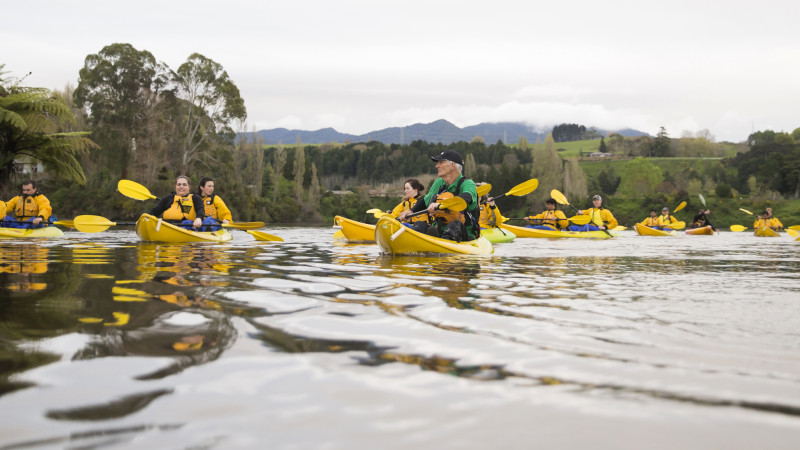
(439, 132)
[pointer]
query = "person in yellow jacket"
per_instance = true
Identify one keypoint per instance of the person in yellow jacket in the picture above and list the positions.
(651, 221)
(213, 205)
(600, 218)
(767, 220)
(412, 191)
(550, 219)
(182, 207)
(774, 220)
(31, 206)
(490, 214)
(666, 221)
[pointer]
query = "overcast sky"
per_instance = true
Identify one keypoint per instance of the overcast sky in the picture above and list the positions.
(358, 66)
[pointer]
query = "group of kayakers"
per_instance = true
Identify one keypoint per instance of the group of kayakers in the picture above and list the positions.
(206, 211)
(202, 210)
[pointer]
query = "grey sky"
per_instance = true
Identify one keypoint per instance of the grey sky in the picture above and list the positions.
(358, 66)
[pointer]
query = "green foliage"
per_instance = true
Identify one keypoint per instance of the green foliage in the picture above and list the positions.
(639, 176)
(723, 191)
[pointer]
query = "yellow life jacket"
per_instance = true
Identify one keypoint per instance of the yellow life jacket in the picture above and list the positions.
(650, 222)
(210, 207)
(182, 208)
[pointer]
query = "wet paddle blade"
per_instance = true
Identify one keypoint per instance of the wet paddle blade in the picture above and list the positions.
(678, 225)
(792, 233)
(680, 207)
(744, 210)
(524, 188)
(453, 204)
(702, 199)
(484, 189)
(134, 190)
(244, 225)
(619, 228)
(579, 220)
(738, 228)
(794, 227)
(92, 224)
(261, 236)
(374, 211)
(65, 223)
(559, 197)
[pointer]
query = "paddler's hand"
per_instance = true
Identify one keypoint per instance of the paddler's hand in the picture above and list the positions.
(580, 212)
(226, 221)
(403, 215)
(37, 220)
(433, 207)
(197, 223)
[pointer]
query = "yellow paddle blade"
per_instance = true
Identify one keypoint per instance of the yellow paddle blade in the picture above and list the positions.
(794, 227)
(738, 228)
(453, 204)
(619, 228)
(792, 233)
(677, 225)
(65, 223)
(244, 225)
(261, 236)
(482, 189)
(373, 211)
(524, 188)
(134, 190)
(579, 220)
(744, 210)
(559, 197)
(92, 224)
(679, 207)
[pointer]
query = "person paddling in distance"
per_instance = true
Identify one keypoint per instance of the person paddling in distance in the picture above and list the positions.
(700, 219)
(490, 213)
(600, 218)
(774, 222)
(216, 211)
(412, 191)
(31, 209)
(449, 166)
(652, 221)
(767, 220)
(666, 220)
(549, 219)
(182, 207)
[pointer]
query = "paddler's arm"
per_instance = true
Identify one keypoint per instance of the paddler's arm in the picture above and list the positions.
(162, 205)
(199, 210)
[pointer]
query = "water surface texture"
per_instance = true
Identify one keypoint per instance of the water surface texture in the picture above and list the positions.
(634, 342)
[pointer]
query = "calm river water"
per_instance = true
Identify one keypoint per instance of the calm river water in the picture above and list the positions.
(635, 342)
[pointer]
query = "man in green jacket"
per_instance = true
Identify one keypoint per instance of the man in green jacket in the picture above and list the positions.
(449, 166)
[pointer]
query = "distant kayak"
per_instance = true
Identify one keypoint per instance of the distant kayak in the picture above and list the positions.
(395, 238)
(24, 233)
(354, 231)
(766, 232)
(525, 232)
(497, 236)
(151, 229)
(706, 230)
(647, 231)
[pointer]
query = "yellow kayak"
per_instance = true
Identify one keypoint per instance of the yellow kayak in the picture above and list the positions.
(706, 230)
(355, 231)
(396, 238)
(525, 232)
(647, 231)
(46, 232)
(151, 229)
(497, 236)
(766, 232)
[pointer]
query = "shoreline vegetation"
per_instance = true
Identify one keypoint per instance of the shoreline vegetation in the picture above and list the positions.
(132, 117)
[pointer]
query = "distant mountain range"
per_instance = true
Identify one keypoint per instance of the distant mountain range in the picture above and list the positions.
(440, 131)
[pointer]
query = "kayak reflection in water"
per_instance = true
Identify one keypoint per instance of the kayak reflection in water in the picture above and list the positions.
(599, 217)
(454, 227)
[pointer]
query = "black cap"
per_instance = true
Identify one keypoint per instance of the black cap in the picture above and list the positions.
(449, 155)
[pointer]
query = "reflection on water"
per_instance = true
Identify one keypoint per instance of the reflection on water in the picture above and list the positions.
(108, 341)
